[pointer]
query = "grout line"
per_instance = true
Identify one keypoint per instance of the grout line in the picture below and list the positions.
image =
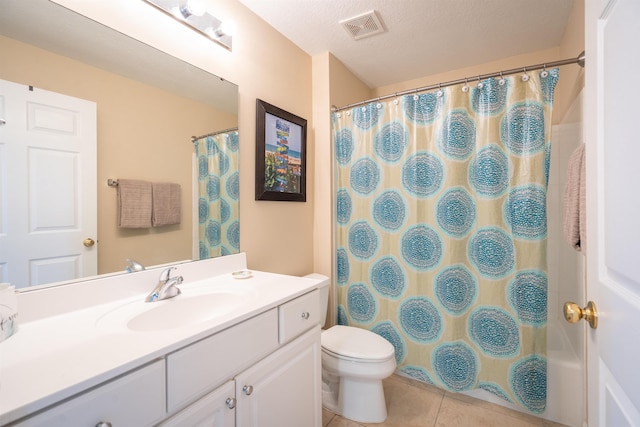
(435, 421)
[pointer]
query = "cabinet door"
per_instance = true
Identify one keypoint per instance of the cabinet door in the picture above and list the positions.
(216, 409)
(284, 389)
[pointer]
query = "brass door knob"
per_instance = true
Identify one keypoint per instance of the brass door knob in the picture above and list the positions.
(88, 242)
(573, 313)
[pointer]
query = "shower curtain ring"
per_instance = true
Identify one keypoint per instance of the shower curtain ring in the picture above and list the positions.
(465, 88)
(415, 95)
(439, 93)
(480, 84)
(525, 76)
(544, 72)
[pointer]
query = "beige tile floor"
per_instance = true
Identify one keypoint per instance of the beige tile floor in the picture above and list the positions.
(414, 404)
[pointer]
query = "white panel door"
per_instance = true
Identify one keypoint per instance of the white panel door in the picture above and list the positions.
(613, 210)
(47, 186)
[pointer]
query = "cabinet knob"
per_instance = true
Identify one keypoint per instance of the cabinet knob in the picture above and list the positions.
(103, 424)
(305, 315)
(231, 403)
(248, 389)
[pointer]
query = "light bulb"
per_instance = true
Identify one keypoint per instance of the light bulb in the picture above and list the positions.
(193, 7)
(197, 7)
(227, 28)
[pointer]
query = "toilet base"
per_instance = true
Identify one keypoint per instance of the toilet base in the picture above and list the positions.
(358, 400)
(363, 401)
(330, 390)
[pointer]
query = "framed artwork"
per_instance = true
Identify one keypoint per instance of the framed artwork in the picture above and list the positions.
(281, 154)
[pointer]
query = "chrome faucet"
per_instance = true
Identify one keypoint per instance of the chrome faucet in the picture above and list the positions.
(167, 286)
(133, 265)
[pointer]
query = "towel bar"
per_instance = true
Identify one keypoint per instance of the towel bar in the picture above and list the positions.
(112, 182)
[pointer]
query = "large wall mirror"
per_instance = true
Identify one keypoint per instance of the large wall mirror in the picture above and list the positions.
(148, 106)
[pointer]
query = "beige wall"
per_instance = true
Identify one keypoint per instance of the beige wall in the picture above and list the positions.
(572, 77)
(143, 133)
(333, 84)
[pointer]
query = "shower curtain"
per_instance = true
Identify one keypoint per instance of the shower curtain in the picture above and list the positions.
(218, 187)
(441, 231)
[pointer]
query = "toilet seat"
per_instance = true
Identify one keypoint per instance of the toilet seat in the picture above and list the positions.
(349, 342)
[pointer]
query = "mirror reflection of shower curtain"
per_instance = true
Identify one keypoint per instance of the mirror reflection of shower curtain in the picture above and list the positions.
(441, 232)
(218, 194)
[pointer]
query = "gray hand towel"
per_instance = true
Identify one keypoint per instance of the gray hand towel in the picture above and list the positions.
(134, 203)
(166, 204)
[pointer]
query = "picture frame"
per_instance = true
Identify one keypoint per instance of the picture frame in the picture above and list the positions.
(281, 154)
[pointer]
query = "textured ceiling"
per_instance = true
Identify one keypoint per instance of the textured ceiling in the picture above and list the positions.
(423, 37)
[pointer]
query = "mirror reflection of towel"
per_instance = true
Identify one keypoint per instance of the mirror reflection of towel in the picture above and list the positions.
(575, 210)
(134, 203)
(166, 204)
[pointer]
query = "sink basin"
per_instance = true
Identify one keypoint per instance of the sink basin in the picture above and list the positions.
(177, 312)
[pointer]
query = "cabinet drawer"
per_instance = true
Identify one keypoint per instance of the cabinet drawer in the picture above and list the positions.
(298, 316)
(136, 399)
(199, 368)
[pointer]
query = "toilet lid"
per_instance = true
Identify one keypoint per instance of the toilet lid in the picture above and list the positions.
(356, 343)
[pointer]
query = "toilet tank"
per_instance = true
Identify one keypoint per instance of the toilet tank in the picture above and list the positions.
(323, 287)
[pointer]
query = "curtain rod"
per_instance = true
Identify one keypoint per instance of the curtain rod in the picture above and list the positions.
(194, 138)
(579, 60)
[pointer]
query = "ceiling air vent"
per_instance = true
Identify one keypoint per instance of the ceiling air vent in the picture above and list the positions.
(365, 25)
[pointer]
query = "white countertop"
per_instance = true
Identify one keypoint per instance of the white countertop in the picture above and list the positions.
(58, 356)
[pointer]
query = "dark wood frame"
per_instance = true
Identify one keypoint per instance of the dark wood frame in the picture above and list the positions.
(263, 109)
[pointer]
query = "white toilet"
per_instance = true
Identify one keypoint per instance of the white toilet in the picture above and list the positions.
(354, 363)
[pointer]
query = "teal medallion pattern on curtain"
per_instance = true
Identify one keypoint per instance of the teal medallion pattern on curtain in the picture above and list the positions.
(218, 194)
(441, 230)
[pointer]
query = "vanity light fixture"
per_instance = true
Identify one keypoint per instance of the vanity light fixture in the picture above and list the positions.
(194, 14)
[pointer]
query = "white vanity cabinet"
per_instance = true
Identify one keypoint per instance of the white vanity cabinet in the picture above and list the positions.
(281, 389)
(136, 399)
(262, 371)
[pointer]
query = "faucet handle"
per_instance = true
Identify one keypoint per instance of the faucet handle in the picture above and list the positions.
(168, 272)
